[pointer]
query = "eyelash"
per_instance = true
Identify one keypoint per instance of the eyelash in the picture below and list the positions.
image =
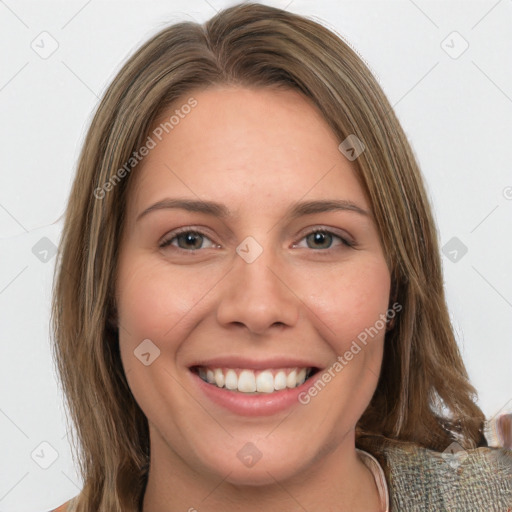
(174, 235)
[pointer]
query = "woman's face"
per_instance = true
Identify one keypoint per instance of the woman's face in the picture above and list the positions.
(245, 294)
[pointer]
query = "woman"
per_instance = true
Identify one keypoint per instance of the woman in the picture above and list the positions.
(249, 310)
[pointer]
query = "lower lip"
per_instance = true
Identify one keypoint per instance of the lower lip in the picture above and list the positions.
(243, 404)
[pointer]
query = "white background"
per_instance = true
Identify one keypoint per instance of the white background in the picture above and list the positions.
(457, 113)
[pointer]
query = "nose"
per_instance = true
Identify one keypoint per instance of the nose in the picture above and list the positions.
(257, 295)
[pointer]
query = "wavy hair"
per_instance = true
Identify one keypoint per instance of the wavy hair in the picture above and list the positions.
(423, 393)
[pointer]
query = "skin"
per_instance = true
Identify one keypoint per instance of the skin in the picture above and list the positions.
(258, 151)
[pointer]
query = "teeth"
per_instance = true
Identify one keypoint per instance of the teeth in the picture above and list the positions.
(219, 378)
(248, 381)
(301, 376)
(265, 382)
(231, 380)
(280, 381)
(292, 377)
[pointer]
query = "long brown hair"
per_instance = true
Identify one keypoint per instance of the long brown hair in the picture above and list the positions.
(423, 394)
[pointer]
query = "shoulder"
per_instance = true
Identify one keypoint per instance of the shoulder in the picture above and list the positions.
(456, 479)
(65, 507)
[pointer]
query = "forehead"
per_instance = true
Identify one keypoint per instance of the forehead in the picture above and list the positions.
(245, 146)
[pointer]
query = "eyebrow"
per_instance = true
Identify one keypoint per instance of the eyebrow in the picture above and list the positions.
(222, 211)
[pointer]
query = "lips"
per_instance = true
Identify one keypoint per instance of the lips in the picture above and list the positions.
(252, 403)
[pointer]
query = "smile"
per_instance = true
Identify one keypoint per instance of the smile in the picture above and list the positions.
(254, 381)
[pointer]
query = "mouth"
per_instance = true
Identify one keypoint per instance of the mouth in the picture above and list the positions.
(255, 382)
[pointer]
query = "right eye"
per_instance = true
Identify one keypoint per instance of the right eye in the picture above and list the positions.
(186, 239)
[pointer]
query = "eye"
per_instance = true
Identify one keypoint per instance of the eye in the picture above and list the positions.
(186, 239)
(323, 238)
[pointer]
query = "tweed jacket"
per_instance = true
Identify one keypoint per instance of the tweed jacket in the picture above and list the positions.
(423, 480)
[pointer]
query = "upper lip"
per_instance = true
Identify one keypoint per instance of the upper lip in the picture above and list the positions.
(255, 364)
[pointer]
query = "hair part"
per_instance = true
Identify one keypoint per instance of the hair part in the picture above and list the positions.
(423, 393)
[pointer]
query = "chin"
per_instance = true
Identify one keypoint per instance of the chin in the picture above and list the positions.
(259, 464)
(262, 474)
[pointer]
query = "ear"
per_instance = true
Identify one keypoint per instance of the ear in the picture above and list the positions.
(390, 324)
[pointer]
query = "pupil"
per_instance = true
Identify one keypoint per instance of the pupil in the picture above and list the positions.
(190, 238)
(321, 238)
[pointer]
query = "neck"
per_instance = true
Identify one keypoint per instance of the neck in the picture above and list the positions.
(336, 480)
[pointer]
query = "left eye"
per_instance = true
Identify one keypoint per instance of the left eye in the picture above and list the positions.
(324, 238)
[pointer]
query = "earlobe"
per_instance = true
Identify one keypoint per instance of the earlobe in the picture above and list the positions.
(390, 324)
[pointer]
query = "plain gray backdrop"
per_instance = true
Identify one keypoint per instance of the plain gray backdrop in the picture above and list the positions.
(446, 68)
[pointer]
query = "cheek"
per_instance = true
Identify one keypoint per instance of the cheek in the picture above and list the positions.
(351, 300)
(153, 300)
